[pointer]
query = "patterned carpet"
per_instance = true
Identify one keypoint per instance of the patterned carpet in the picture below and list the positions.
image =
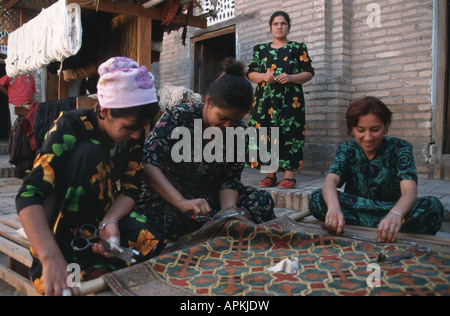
(231, 258)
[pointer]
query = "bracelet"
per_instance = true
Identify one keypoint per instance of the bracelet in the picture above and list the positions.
(234, 208)
(397, 213)
(103, 225)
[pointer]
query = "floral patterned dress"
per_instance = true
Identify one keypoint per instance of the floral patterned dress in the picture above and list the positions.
(75, 177)
(194, 180)
(278, 105)
(372, 187)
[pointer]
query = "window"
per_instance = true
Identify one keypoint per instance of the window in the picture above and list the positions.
(224, 7)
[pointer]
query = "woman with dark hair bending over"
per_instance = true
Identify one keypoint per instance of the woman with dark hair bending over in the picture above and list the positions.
(182, 193)
(280, 68)
(380, 180)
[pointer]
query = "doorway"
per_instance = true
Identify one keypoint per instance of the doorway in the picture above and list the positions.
(210, 50)
(5, 121)
(442, 80)
(447, 84)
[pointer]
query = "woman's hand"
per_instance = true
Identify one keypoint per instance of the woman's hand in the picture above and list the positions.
(54, 266)
(391, 225)
(55, 274)
(196, 208)
(284, 78)
(269, 77)
(297, 79)
(111, 230)
(334, 221)
(389, 228)
(121, 207)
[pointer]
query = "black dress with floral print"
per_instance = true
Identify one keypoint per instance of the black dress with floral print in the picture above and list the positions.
(78, 173)
(192, 179)
(278, 105)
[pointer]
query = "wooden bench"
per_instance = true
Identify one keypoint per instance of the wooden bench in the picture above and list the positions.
(16, 248)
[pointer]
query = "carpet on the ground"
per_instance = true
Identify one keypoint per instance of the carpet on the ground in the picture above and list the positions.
(231, 258)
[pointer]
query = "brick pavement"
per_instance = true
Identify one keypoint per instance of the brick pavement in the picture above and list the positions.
(287, 201)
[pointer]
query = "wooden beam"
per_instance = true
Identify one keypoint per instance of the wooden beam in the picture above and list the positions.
(144, 42)
(17, 281)
(139, 11)
(63, 87)
(9, 4)
(152, 3)
(442, 75)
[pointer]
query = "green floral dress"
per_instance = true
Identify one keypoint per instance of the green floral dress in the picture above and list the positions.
(278, 105)
(76, 177)
(372, 187)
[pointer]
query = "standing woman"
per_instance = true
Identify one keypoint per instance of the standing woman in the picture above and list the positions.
(280, 69)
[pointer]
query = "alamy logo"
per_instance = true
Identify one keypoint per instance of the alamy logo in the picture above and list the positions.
(374, 18)
(374, 279)
(235, 142)
(74, 278)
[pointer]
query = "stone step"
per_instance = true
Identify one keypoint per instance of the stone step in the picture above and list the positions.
(6, 169)
(3, 148)
(297, 199)
(7, 172)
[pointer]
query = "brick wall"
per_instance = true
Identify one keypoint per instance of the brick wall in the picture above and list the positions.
(174, 68)
(394, 62)
(352, 58)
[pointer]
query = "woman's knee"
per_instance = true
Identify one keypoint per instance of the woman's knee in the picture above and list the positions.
(259, 203)
(140, 234)
(317, 205)
(426, 217)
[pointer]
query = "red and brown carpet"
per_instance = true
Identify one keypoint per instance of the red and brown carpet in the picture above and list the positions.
(231, 259)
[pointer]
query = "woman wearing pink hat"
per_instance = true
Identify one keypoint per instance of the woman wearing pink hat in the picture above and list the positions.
(73, 184)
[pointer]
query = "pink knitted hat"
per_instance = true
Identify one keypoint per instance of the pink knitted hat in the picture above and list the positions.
(123, 84)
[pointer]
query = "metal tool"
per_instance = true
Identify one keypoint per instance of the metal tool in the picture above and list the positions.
(343, 234)
(237, 212)
(358, 238)
(408, 254)
(88, 236)
(382, 258)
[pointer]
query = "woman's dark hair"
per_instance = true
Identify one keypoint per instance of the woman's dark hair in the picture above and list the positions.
(368, 105)
(283, 14)
(142, 113)
(232, 89)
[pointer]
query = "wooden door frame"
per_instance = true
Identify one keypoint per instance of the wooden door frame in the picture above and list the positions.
(442, 80)
(203, 37)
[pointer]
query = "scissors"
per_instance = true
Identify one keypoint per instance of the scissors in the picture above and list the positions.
(88, 235)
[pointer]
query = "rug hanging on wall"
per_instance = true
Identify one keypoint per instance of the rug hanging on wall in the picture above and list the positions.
(232, 259)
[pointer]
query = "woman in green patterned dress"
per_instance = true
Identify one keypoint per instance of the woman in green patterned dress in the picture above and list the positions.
(280, 68)
(380, 180)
